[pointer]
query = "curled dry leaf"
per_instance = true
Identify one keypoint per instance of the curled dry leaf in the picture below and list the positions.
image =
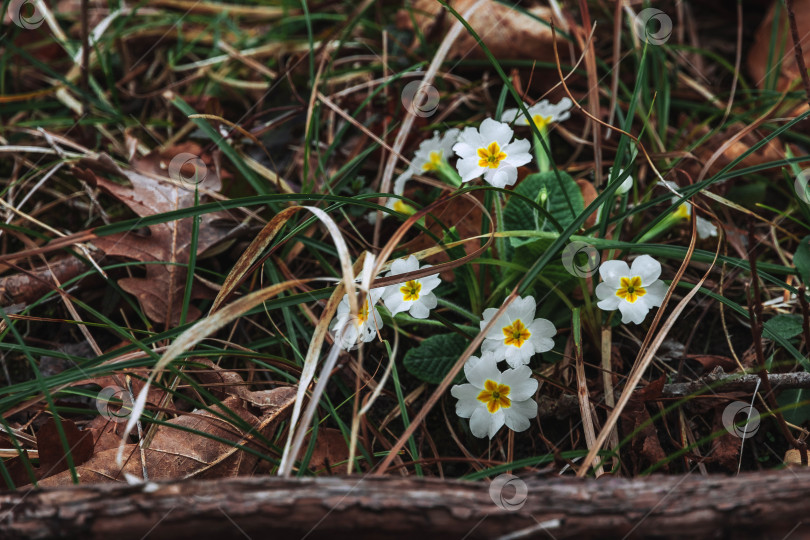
(160, 292)
(24, 288)
(177, 453)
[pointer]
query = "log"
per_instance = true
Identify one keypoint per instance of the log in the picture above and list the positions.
(770, 504)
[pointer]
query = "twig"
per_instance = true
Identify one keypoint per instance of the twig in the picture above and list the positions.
(797, 50)
(755, 313)
(718, 381)
(805, 316)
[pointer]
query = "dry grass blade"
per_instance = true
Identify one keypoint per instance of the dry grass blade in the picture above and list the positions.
(266, 236)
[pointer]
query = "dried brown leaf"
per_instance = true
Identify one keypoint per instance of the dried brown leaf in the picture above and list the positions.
(176, 453)
(160, 292)
(52, 457)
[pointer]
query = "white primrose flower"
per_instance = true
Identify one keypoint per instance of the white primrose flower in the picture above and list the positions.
(430, 155)
(517, 335)
(543, 113)
(489, 151)
(414, 296)
(491, 399)
(705, 228)
(353, 330)
(634, 291)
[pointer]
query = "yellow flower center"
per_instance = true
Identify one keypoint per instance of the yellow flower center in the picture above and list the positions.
(410, 291)
(491, 156)
(433, 164)
(495, 396)
(362, 315)
(541, 121)
(684, 211)
(631, 289)
(516, 334)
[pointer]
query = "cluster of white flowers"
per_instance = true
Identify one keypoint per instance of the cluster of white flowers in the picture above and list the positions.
(414, 296)
(492, 398)
(487, 150)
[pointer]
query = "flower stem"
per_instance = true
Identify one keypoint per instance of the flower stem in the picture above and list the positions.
(543, 159)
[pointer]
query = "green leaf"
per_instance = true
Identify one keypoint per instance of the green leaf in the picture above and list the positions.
(552, 193)
(794, 410)
(435, 356)
(802, 260)
(784, 325)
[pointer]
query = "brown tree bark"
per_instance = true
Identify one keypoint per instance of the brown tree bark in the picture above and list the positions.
(753, 505)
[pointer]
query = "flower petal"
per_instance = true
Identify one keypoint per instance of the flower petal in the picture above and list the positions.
(394, 302)
(518, 417)
(465, 150)
(505, 175)
(522, 308)
(648, 268)
(517, 153)
(543, 344)
(705, 228)
(604, 292)
(495, 332)
(419, 310)
(469, 169)
(430, 282)
(402, 266)
(610, 303)
(634, 313)
(655, 293)
(522, 385)
(467, 396)
(484, 369)
(480, 421)
(509, 115)
(612, 271)
(542, 328)
(496, 422)
(492, 130)
(515, 356)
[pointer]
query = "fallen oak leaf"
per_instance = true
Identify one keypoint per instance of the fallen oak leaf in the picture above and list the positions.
(178, 453)
(160, 292)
